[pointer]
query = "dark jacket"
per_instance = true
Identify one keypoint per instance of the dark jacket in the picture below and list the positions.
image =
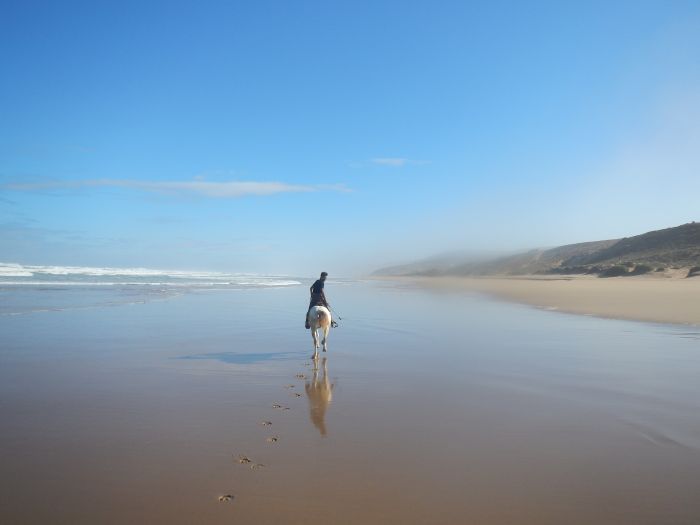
(318, 298)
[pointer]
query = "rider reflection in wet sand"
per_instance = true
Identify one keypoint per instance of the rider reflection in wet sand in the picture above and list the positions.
(320, 394)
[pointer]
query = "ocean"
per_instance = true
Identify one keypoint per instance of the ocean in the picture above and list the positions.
(26, 289)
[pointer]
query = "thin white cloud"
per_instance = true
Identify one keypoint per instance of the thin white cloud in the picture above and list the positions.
(342, 188)
(395, 162)
(230, 189)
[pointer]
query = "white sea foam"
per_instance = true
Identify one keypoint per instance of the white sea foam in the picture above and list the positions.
(88, 275)
(146, 283)
(14, 270)
(268, 283)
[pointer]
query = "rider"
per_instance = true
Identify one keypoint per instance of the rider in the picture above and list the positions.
(318, 298)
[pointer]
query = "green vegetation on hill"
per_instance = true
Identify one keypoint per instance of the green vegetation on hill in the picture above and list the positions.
(677, 247)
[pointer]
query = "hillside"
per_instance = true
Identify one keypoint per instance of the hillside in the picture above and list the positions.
(677, 247)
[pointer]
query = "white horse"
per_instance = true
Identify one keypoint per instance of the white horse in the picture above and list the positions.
(319, 317)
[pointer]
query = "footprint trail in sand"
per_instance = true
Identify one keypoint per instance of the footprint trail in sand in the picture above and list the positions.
(245, 460)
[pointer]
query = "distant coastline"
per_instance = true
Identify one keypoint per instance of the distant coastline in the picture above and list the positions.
(656, 252)
(652, 277)
(671, 298)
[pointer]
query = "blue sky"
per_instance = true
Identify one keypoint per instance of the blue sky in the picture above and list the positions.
(298, 136)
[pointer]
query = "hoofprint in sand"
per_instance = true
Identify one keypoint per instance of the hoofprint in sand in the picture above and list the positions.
(244, 459)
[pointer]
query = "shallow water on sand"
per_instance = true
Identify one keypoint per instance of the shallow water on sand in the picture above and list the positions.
(429, 408)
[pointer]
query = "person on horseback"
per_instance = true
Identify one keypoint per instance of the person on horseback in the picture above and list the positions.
(318, 298)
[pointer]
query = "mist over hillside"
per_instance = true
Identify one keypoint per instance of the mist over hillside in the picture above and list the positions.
(676, 247)
(440, 264)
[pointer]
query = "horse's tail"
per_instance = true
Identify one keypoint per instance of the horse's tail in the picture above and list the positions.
(321, 315)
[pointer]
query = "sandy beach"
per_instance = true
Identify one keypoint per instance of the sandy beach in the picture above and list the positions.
(183, 185)
(204, 407)
(669, 299)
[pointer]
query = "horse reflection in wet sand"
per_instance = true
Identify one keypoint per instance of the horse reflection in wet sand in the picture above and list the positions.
(320, 393)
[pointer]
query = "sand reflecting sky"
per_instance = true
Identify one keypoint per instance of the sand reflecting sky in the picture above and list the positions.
(427, 408)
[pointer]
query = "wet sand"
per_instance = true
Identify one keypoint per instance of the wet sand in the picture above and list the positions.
(642, 298)
(428, 408)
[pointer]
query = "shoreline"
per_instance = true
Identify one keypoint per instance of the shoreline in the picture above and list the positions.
(670, 300)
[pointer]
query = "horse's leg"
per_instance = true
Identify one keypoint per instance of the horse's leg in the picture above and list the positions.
(325, 336)
(314, 335)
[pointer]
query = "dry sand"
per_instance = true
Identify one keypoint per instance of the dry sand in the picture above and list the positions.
(665, 299)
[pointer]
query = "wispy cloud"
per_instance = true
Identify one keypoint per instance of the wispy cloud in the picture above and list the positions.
(395, 162)
(229, 189)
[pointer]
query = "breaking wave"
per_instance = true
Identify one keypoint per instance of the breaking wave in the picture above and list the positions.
(13, 274)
